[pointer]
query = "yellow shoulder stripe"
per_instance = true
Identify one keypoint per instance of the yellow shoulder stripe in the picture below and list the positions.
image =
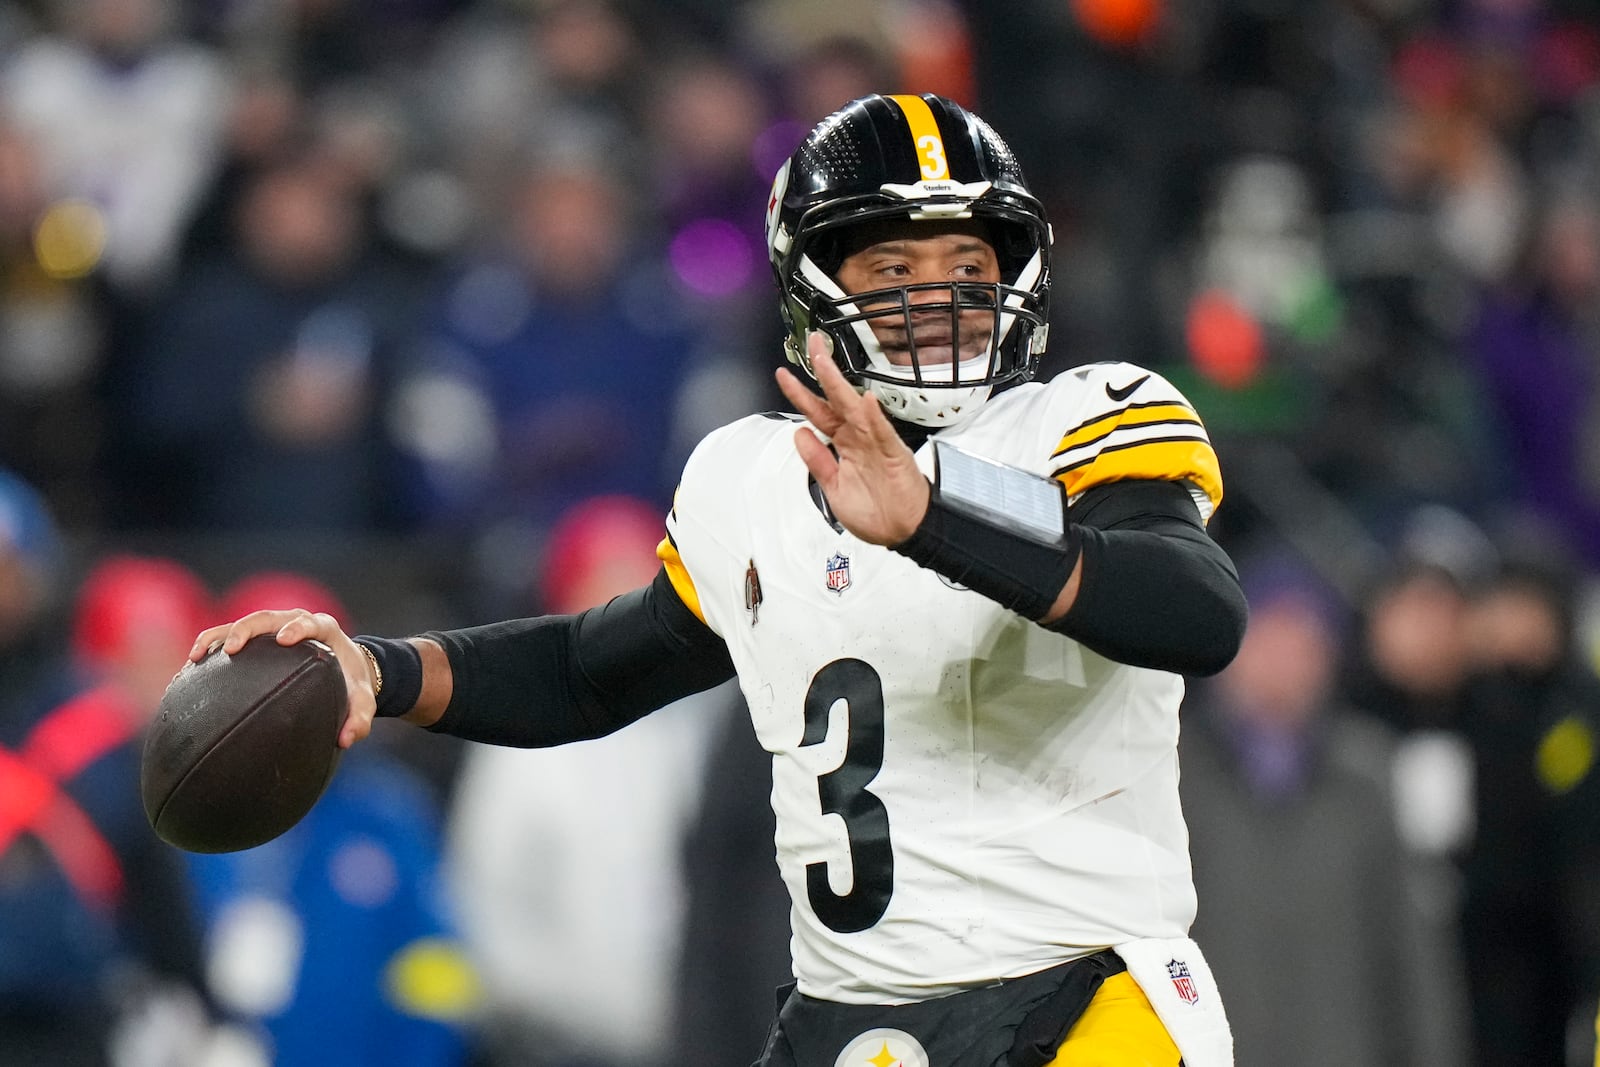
(1180, 459)
(667, 553)
(1134, 415)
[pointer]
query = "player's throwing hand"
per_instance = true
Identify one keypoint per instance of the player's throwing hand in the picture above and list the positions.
(869, 476)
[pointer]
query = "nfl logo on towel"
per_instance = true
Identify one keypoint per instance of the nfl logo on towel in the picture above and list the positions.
(838, 572)
(1182, 981)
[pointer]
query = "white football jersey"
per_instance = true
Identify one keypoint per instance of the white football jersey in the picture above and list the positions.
(961, 794)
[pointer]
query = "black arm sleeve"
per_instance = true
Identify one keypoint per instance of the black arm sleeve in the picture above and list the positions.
(1156, 590)
(533, 683)
(1012, 569)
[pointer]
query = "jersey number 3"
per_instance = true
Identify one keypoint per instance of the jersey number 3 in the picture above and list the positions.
(843, 792)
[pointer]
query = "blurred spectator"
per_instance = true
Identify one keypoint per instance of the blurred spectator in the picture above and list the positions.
(133, 619)
(101, 963)
(256, 404)
(266, 117)
(822, 46)
(553, 366)
(327, 42)
(1414, 654)
(708, 122)
(1532, 876)
(343, 914)
(1447, 146)
(30, 580)
(1409, 665)
(1307, 894)
(1535, 342)
(52, 336)
(567, 862)
(704, 122)
(734, 952)
(550, 76)
(128, 114)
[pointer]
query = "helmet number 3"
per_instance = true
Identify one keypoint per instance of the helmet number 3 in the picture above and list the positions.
(843, 792)
(934, 165)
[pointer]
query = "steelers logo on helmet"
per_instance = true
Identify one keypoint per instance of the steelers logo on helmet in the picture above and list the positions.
(882, 160)
(883, 1048)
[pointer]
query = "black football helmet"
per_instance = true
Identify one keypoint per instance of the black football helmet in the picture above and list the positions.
(889, 158)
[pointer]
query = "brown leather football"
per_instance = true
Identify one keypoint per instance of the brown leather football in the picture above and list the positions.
(243, 745)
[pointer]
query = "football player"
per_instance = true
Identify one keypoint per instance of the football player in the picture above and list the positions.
(959, 604)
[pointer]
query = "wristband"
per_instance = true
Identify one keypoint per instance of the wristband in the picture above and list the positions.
(397, 674)
(1011, 498)
(998, 530)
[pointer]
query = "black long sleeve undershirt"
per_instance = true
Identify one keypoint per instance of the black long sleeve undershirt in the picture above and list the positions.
(533, 683)
(1156, 592)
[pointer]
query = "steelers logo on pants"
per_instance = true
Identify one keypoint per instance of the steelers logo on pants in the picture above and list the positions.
(883, 1048)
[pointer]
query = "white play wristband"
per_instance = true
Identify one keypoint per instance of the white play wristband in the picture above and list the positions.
(1006, 496)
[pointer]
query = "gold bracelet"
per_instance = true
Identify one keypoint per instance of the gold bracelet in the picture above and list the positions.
(377, 671)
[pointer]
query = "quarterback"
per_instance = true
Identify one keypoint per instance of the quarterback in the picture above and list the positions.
(959, 604)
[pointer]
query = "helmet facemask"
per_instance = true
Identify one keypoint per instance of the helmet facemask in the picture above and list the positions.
(896, 342)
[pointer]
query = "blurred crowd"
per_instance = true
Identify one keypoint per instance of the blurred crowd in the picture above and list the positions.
(410, 310)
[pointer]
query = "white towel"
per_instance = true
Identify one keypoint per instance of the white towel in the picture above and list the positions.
(1175, 976)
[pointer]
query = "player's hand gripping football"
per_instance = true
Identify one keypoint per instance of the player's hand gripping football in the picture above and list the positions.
(870, 477)
(292, 627)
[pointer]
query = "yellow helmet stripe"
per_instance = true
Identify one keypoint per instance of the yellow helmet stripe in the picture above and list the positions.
(925, 135)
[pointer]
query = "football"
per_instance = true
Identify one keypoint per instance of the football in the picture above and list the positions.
(243, 745)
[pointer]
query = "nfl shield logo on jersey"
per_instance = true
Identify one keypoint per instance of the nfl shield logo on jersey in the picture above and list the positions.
(1182, 981)
(838, 572)
(883, 1048)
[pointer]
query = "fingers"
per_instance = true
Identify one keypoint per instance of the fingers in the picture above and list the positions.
(818, 458)
(304, 625)
(357, 720)
(358, 682)
(835, 386)
(209, 641)
(859, 409)
(231, 637)
(841, 396)
(807, 403)
(290, 627)
(840, 402)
